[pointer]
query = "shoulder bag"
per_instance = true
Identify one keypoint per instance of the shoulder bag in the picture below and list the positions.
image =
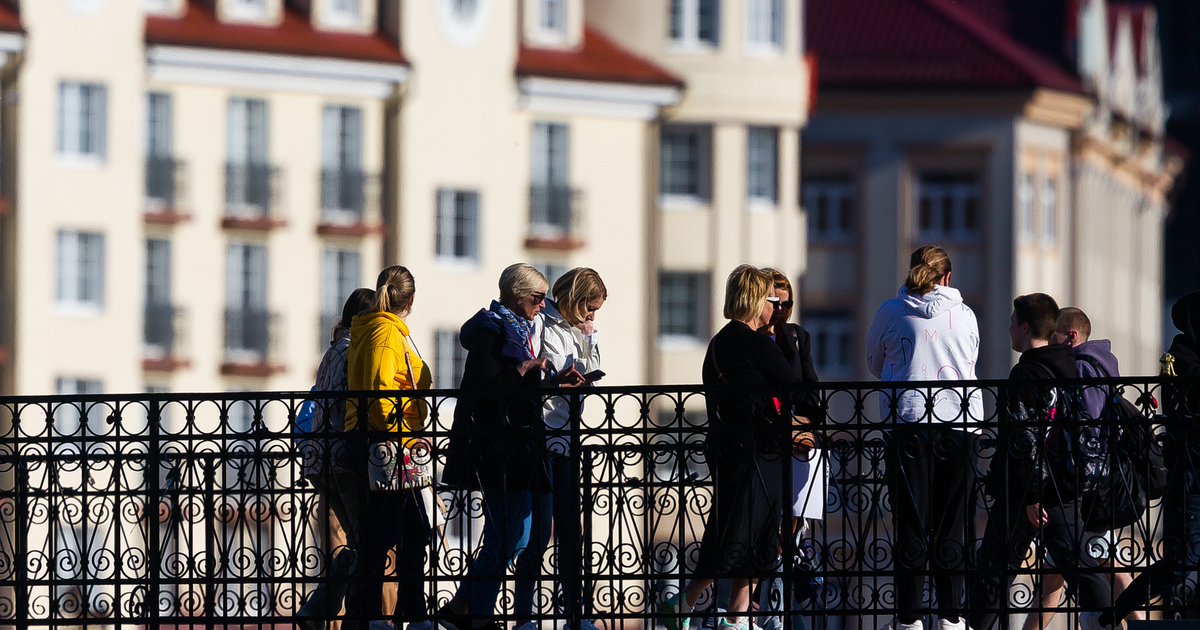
(393, 467)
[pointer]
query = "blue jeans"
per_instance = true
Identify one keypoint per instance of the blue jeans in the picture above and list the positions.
(553, 510)
(506, 525)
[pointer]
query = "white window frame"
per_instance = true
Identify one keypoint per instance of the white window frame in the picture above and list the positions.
(763, 27)
(82, 124)
(552, 25)
(700, 199)
(79, 279)
(449, 219)
(960, 193)
(699, 303)
(827, 330)
(688, 38)
(839, 196)
(762, 151)
(1049, 205)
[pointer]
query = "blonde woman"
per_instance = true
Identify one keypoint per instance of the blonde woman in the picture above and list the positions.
(383, 358)
(745, 444)
(566, 334)
(497, 444)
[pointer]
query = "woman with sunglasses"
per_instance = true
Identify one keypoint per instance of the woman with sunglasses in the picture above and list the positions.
(497, 443)
(791, 338)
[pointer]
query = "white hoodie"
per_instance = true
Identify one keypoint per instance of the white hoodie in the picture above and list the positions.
(931, 337)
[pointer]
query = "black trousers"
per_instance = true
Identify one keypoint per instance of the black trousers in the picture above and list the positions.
(931, 482)
(1006, 545)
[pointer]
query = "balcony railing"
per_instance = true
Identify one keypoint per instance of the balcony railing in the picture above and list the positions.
(349, 203)
(163, 331)
(252, 196)
(192, 510)
(555, 217)
(252, 343)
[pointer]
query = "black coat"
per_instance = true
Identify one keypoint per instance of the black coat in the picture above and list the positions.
(497, 441)
(796, 346)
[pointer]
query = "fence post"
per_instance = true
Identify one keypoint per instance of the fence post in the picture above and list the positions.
(575, 597)
(153, 504)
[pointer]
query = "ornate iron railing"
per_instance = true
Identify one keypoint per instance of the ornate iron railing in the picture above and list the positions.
(193, 510)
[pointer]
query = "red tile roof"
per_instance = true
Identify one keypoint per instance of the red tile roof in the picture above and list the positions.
(923, 44)
(597, 59)
(295, 35)
(10, 20)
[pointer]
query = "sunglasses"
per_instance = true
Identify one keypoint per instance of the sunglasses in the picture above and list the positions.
(538, 298)
(780, 305)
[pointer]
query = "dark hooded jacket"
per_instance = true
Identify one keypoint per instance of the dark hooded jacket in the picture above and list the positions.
(1028, 410)
(498, 438)
(1186, 345)
(1182, 402)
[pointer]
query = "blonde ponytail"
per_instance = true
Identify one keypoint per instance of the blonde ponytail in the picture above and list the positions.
(394, 290)
(926, 266)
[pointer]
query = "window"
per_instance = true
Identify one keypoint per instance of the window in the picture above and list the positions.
(552, 16)
(246, 316)
(158, 332)
(695, 22)
(344, 10)
(80, 270)
(552, 271)
(458, 225)
(948, 207)
(448, 358)
(160, 166)
(1025, 208)
(342, 178)
(829, 202)
(832, 335)
(1049, 210)
(764, 24)
(340, 275)
(685, 162)
(550, 194)
(247, 183)
(762, 165)
(683, 304)
(81, 120)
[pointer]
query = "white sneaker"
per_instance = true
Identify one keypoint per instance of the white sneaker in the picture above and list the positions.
(945, 624)
(897, 625)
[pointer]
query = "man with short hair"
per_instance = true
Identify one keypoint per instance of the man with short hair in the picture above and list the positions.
(1024, 508)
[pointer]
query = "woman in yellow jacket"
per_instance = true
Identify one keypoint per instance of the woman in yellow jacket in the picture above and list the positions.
(382, 357)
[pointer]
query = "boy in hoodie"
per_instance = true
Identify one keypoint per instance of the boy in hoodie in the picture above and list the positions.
(1022, 509)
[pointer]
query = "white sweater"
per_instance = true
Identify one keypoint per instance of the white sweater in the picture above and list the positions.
(565, 345)
(931, 337)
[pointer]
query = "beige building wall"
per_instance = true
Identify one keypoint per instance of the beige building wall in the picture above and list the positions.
(731, 85)
(54, 193)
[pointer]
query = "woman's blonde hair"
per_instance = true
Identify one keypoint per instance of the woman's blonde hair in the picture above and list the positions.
(394, 290)
(927, 265)
(574, 289)
(745, 292)
(519, 280)
(780, 281)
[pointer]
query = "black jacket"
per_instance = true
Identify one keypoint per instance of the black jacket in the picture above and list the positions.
(740, 355)
(497, 441)
(1016, 473)
(796, 346)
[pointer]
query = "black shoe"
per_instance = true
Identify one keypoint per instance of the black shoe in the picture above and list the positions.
(447, 618)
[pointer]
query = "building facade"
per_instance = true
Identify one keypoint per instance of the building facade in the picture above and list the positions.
(186, 209)
(1034, 156)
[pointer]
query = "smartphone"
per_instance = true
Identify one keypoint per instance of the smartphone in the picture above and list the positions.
(592, 377)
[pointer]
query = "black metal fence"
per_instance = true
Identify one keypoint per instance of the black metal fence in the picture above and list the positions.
(194, 510)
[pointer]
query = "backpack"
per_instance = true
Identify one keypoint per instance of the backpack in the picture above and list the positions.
(1136, 470)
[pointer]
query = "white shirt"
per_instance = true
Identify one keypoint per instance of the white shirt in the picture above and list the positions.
(565, 346)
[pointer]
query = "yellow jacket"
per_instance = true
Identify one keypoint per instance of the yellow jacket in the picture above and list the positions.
(376, 361)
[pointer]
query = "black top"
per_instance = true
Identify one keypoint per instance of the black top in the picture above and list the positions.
(796, 346)
(740, 355)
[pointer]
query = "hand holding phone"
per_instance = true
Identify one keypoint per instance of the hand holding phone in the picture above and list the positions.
(593, 376)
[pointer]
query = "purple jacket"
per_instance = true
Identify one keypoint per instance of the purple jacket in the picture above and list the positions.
(1094, 359)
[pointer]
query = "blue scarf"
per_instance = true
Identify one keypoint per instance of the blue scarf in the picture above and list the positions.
(515, 327)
